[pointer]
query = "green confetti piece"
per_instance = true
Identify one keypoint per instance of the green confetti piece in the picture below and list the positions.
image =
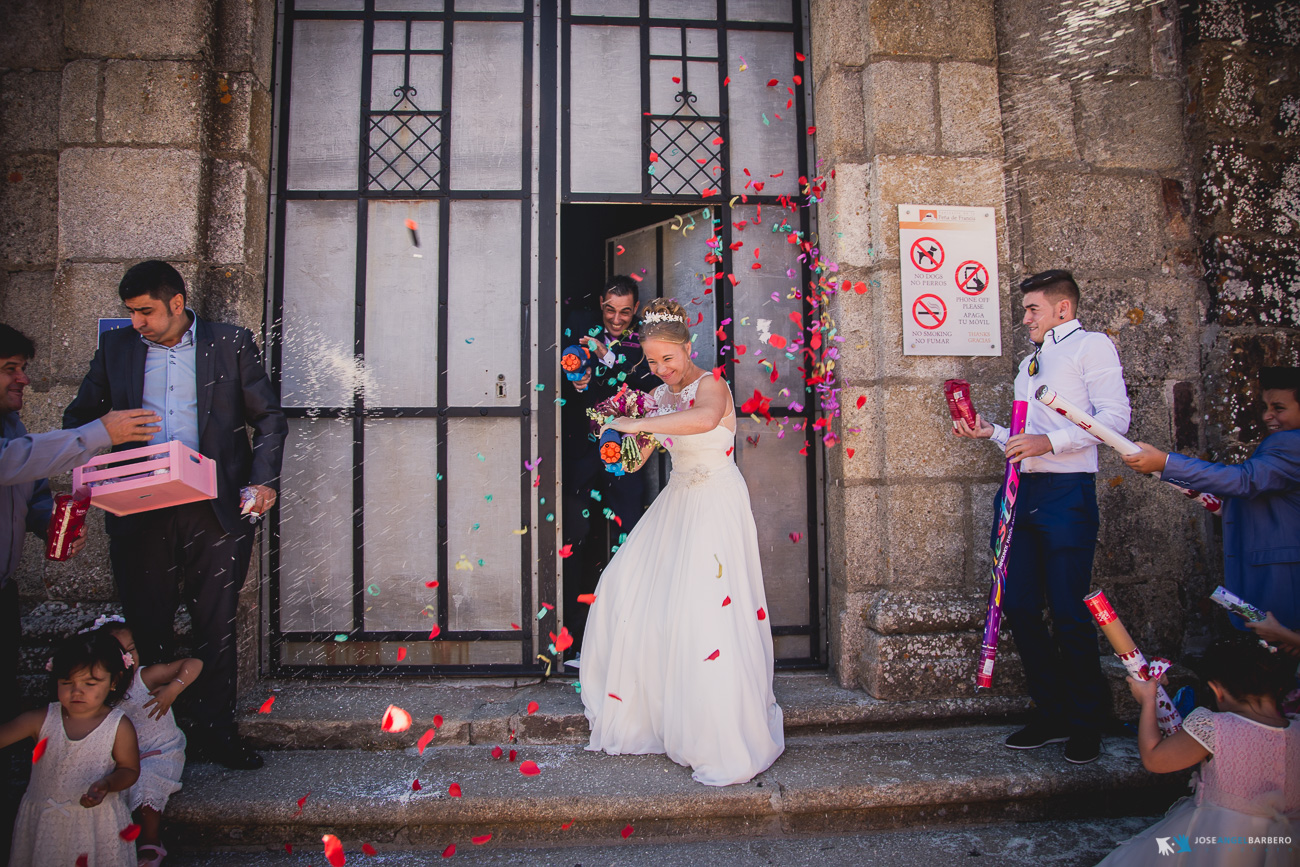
(561, 401)
(622, 376)
(480, 456)
(586, 513)
(541, 614)
(342, 636)
(487, 497)
(481, 563)
(373, 589)
(439, 477)
(475, 527)
(551, 648)
(595, 495)
(766, 122)
(577, 687)
(541, 386)
(550, 516)
(543, 501)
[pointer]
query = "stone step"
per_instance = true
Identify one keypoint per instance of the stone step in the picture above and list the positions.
(1061, 843)
(335, 716)
(824, 784)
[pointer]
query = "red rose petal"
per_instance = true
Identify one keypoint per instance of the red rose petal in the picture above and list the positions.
(130, 832)
(628, 831)
(334, 850)
(449, 851)
(712, 656)
(772, 82)
(433, 633)
(529, 768)
(586, 598)
(533, 707)
(726, 602)
(479, 841)
(616, 698)
(497, 752)
(415, 785)
(266, 705)
(762, 615)
(288, 848)
(424, 740)
(437, 720)
(40, 750)
(566, 551)
(454, 790)
(395, 719)
(849, 452)
(401, 653)
(368, 849)
(514, 754)
(654, 157)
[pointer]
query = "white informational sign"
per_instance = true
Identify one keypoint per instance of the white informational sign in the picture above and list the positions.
(949, 264)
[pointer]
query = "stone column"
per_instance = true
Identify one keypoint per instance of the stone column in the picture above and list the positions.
(907, 111)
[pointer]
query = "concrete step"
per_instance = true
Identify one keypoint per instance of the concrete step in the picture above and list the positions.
(311, 715)
(1061, 843)
(825, 784)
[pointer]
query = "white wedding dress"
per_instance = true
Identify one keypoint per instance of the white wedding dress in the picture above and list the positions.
(677, 653)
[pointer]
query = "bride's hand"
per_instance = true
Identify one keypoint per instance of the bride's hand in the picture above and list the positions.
(623, 425)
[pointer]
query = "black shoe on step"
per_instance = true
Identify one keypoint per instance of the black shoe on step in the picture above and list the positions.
(1036, 734)
(1083, 747)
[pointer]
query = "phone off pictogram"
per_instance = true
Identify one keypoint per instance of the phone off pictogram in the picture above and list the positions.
(972, 277)
(927, 255)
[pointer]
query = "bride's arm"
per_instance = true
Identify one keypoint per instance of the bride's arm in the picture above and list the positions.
(711, 406)
(645, 456)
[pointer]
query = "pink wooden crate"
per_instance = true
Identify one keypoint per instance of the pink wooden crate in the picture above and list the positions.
(143, 479)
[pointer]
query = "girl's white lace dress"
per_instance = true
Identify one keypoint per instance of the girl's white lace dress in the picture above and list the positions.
(677, 653)
(52, 827)
(162, 749)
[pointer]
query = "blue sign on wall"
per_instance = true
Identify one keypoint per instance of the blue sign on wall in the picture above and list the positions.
(110, 324)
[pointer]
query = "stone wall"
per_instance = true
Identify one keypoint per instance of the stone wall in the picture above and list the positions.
(127, 136)
(1068, 119)
(1244, 69)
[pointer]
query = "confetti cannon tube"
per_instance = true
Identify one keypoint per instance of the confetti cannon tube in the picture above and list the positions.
(1167, 716)
(957, 393)
(1048, 396)
(1238, 606)
(1001, 550)
(576, 362)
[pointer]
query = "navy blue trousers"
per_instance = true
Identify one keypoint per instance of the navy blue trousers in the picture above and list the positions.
(1051, 563)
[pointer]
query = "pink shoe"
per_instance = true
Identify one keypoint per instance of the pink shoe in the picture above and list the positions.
(159, 853)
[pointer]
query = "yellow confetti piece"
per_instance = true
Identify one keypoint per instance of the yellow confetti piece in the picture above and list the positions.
(719, 562)
(464, 565)
(520, 532)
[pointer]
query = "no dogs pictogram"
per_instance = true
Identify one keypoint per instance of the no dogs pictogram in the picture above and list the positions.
(929, 311)
(927, 254)
(972, 277)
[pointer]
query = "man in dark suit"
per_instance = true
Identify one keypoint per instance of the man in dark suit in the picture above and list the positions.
(617, 361)
(205, 380)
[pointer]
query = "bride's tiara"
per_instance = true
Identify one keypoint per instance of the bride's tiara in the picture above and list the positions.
(656, 316)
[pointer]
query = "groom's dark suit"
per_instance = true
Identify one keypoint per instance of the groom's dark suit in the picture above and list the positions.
(204, 544)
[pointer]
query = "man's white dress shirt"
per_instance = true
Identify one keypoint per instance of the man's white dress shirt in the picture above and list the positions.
(1083, 367)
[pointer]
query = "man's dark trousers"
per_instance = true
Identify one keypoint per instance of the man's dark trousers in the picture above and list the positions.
(158, 555)
(1051, 556)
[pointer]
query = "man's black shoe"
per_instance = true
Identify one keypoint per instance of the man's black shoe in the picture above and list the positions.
(233, 753)
(1083, 747)
(1035, 735)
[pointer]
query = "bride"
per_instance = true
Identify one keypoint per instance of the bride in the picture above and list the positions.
(677, 654)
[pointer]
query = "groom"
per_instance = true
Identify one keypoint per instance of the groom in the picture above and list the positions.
(617, 360)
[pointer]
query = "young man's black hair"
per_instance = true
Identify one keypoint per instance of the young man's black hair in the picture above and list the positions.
(158, 280)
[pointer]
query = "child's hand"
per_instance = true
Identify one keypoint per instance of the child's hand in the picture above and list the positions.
(95, 794)
(1143, 690)
(163, 697)
(1149, 460)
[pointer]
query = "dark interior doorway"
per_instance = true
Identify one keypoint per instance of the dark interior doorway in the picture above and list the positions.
(584, 268)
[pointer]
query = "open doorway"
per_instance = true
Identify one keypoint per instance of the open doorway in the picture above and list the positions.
(590, 497)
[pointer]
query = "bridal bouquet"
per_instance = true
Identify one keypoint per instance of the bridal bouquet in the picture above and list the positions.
(622, 454)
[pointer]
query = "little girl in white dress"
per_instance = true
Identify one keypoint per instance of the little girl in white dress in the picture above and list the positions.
(148, 704)
(75, 808)
(1249, 787)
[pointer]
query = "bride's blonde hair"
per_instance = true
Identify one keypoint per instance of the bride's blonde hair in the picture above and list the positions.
(664, 319)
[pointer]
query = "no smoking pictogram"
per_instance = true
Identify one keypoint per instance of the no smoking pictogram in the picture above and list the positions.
(972, 277)
(929, 311)
(927, 254)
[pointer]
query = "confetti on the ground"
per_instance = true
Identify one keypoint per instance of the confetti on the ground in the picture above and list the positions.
(628, 832)
(437, 720)
(424, 740)
(301, 801)
(401, 653)
(529, 768)
(395, 719)
(454, 790)
(415, 785)
(480, 840)
(334, 850)
(266, 705)
(497, 752)
(533, 708)
(449, 851)
(368, 849)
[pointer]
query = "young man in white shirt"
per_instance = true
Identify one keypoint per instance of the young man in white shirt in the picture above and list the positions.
(1056, 516)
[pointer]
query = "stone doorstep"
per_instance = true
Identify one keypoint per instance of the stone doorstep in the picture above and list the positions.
(336, 716)
(1062, 843)
(821, 785)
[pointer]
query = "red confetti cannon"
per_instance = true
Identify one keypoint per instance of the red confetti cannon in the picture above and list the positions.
(65, 523)
(957, 393)
(1167, 716)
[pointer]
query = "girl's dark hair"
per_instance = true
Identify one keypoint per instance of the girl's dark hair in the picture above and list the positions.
(1241, 666)
(88, 650)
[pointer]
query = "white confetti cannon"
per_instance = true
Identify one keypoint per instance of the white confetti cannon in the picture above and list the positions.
(1238, 606)
(1167, 716)
(1048, 397)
